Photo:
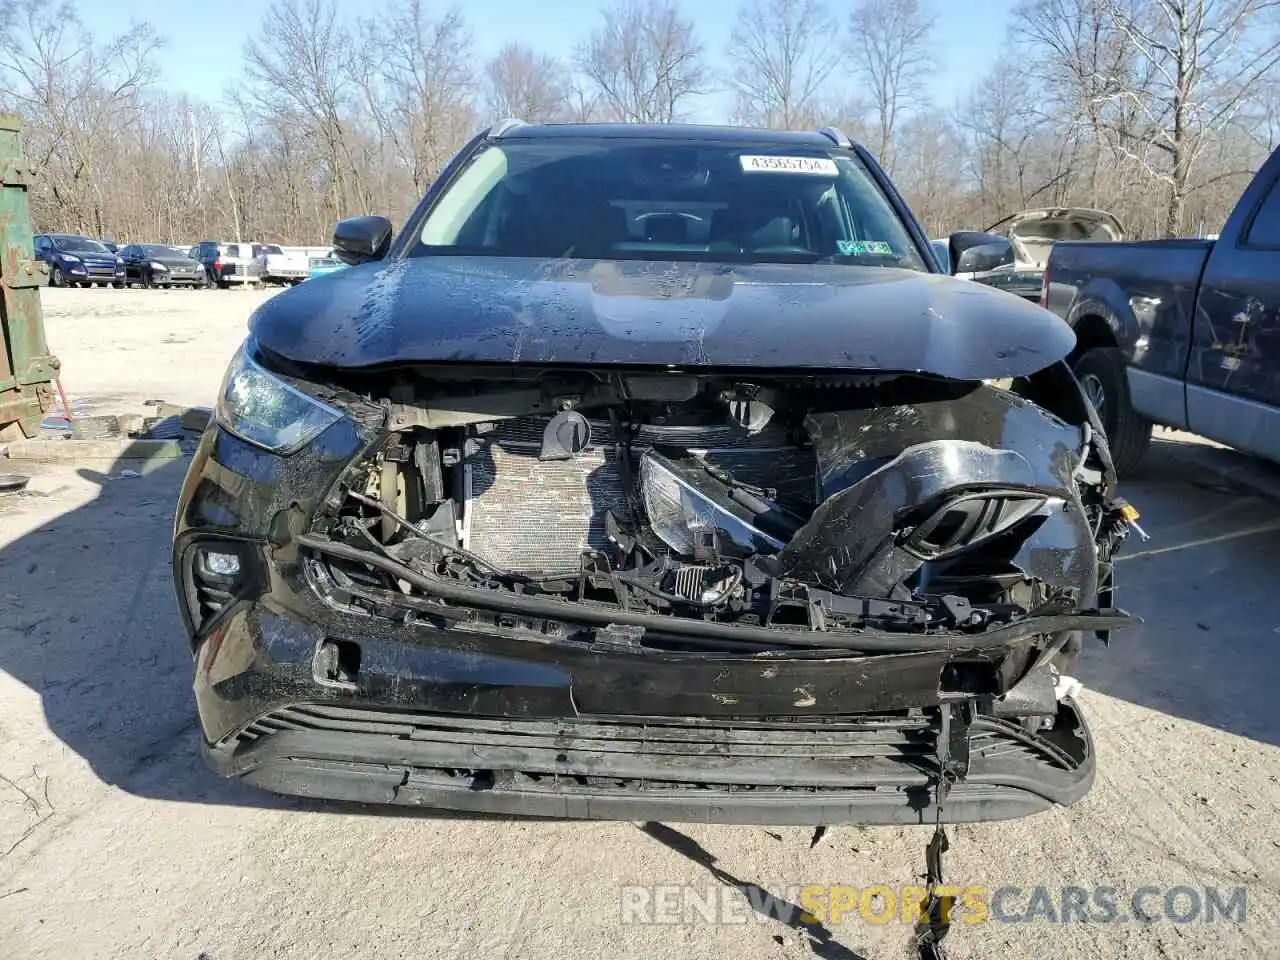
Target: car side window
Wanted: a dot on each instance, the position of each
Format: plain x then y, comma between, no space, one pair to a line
1264,231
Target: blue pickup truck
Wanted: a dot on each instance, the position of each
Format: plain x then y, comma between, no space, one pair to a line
1182,333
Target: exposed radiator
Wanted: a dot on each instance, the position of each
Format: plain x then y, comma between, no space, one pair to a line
537,517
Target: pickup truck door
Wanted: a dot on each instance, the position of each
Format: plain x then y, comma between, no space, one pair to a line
1233,372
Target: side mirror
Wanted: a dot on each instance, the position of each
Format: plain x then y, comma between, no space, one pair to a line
361,239
985,257
975,252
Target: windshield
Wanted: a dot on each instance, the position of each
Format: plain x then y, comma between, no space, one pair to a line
657,200
160,250
79,245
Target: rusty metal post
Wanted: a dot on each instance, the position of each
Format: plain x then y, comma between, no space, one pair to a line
27,369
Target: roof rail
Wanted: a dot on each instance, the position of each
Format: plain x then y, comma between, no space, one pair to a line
836,136
503,127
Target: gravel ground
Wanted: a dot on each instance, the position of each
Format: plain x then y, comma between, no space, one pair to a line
122,347
115,841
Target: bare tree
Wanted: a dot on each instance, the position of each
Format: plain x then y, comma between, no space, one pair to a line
77,92
933,180
645,59
1081,62
781,55
424,101
340,116
587,104
1200,61
298,69
528,85
889,44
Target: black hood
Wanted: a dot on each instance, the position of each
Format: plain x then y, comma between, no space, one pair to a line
498,310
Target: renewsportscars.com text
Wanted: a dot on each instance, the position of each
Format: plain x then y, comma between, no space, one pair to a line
881,904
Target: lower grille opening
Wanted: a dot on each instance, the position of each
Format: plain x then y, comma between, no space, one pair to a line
801,755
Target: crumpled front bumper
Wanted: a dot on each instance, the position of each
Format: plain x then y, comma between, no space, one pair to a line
469,724
864,770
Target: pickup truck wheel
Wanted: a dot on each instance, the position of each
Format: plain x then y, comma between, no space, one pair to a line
1101,373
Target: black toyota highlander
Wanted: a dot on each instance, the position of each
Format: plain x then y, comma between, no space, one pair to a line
651,473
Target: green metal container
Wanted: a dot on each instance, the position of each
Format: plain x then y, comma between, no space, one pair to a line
27,370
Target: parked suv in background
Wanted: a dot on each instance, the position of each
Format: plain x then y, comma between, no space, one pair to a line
160,265
78,260
228,263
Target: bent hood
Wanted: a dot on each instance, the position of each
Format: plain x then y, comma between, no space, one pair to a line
500,310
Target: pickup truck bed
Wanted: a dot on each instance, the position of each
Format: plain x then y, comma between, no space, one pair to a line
1184,333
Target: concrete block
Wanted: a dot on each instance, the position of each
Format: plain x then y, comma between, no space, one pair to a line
99,453
196,419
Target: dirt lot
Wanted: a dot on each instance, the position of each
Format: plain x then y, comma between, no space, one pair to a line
125,346
115,841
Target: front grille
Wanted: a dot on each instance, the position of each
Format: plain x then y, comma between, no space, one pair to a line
806,754
537,517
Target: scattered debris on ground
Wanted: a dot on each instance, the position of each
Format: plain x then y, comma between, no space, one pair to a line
167,432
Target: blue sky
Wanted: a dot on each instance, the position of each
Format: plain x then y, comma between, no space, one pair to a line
203,46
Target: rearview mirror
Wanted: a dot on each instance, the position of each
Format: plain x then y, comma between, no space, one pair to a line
975,252
361,239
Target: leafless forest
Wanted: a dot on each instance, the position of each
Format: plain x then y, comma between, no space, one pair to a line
1158,110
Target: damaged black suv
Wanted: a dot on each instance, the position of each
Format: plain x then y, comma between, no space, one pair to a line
651,473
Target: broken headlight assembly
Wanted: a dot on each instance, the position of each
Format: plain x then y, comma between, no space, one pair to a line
697,512
259,407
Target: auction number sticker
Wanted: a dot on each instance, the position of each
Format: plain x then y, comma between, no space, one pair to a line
819,166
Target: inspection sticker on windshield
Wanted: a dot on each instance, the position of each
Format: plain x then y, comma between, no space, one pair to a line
822,166
854,248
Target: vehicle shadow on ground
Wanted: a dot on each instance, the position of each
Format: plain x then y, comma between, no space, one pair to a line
792,915
90,624
1205,587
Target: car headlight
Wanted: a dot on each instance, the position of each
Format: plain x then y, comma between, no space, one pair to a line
257,406
119,262
682,516
69,258
159,266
